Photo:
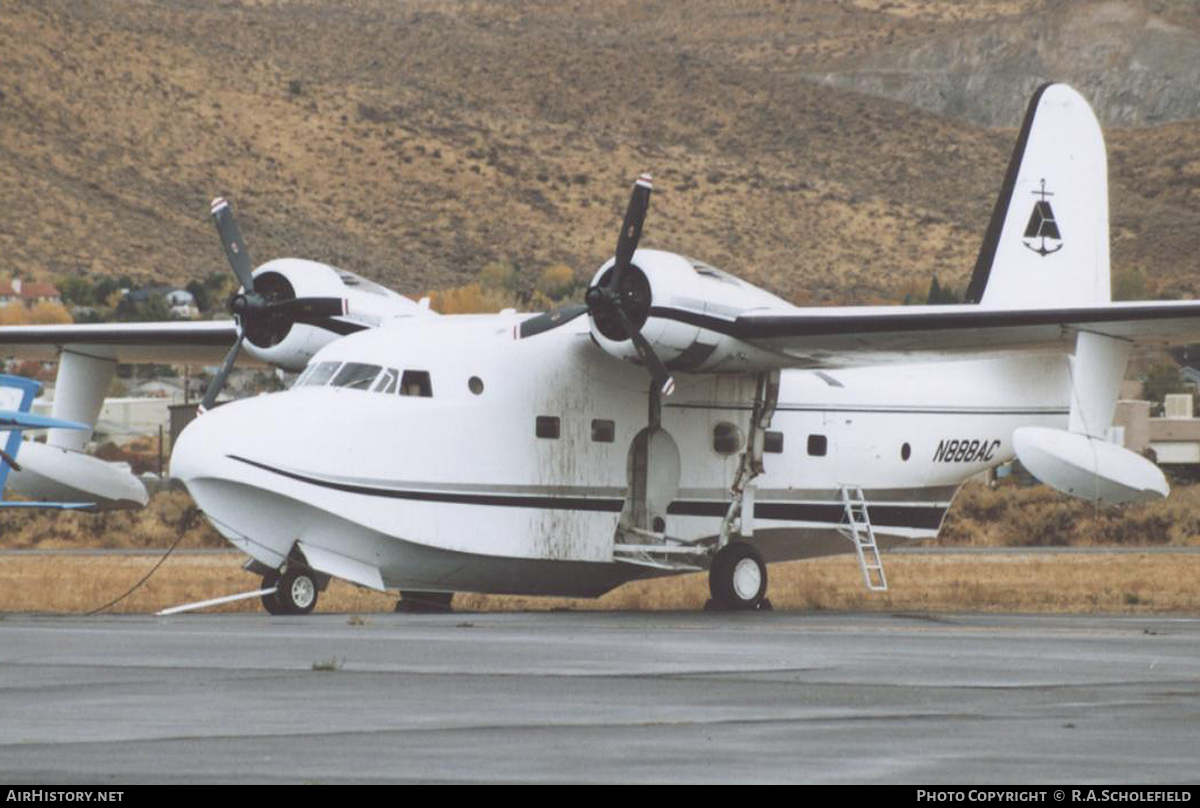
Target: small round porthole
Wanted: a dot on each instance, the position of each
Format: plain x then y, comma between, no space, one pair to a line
727,438
905,452
475,385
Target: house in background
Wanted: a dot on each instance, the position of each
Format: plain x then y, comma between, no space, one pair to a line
1172,440
180,303
29,293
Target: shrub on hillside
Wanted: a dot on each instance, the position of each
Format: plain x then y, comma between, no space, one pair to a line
1011,516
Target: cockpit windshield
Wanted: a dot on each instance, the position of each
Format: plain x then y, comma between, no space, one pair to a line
318,374
356,375
363,376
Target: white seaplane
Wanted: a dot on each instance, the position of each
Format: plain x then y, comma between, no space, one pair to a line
679,419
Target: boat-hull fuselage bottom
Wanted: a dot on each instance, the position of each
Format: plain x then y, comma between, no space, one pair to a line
269,526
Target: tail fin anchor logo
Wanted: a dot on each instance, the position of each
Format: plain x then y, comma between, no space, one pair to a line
1042,226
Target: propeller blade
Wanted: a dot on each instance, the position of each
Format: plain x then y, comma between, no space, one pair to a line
231,240
663,379
631,229
214,387
549,320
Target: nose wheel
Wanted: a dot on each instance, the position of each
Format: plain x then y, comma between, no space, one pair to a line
737,579
295,592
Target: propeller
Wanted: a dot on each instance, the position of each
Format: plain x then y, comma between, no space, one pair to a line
619,303
218,382
265,311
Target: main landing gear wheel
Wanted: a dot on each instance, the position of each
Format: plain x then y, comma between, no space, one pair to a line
737,579
295,593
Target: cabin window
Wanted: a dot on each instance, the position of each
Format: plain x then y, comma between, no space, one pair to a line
475,385
387,381
603,431
727,438
818,445
773,442
547,426
905,452
416,383
356,376
321,373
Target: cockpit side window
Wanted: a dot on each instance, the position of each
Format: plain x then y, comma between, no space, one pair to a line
318,374
356,376
416,383
387,381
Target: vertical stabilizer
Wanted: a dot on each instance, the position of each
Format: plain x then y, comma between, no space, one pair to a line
1047,243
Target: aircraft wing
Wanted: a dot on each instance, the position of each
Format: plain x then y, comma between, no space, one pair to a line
202,342
846,337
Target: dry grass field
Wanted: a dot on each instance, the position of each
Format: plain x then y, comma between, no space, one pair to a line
1053,583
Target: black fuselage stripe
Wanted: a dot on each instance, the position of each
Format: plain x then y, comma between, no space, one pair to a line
915,516
510,500
881,410
339,327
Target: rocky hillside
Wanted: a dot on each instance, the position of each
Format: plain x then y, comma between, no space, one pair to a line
1138,63
801,145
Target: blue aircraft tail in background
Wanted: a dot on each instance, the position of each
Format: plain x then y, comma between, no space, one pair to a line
16,398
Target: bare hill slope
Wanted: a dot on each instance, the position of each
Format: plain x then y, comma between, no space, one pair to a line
416,142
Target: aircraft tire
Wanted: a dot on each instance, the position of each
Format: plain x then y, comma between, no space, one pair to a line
270,602
297,593
737,578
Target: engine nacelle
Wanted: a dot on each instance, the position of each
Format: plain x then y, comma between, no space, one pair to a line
672,299
290,345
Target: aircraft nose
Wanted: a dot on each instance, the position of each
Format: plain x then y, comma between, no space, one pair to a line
232,494
201,446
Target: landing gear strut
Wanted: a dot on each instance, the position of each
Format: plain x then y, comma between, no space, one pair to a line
737,576
269,602
737,579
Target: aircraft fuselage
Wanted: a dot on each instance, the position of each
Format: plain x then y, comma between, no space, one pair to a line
508,464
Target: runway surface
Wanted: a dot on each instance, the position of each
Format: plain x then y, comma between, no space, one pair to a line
609,697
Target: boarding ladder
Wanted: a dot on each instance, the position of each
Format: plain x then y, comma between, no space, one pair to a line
856,526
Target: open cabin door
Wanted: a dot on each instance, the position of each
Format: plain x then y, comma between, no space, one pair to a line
653,470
